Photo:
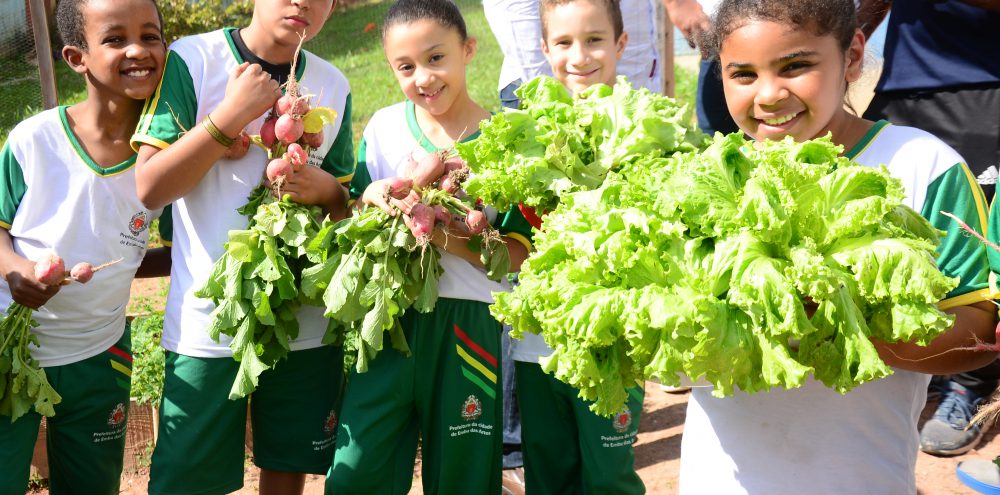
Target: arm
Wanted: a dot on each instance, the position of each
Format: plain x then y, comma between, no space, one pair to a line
163,176
156,263
689,18
19,273
951,352
455,241
870,15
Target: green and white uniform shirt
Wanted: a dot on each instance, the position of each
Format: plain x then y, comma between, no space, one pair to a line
386,144
194,83
874,437
55,198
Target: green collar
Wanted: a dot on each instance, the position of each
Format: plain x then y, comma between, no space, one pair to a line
866,140
299,70
103,172
418,134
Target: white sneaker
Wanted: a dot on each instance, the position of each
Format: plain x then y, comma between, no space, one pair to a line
670,389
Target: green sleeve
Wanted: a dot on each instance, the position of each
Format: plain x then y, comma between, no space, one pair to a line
12,186
339,161
993,235
959,255
361,178
166,225
171,110
513,225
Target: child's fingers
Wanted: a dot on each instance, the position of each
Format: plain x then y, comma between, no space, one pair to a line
236,72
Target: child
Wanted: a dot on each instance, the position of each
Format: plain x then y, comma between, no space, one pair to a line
568,448
447,392
68,185
216,85
786,67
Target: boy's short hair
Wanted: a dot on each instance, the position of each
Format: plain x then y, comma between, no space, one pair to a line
613,8
69,21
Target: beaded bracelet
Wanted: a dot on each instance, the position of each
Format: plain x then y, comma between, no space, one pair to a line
219,137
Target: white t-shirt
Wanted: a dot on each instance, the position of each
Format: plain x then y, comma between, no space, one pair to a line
812,439
57,199
389,138
518,29
194,83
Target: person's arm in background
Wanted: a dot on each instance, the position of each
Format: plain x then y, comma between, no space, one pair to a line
991,5
871,13
690,19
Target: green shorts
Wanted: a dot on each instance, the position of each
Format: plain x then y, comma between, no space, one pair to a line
86,437
446,393
568,448
202,434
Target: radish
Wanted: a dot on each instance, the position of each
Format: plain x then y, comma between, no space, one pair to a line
300,106
288,129
267,136
312,139
442,216
420,220
399,187
448,185
427,170
278,169
284,104
239,148
476,221
297,156
51,270
82,272
455,163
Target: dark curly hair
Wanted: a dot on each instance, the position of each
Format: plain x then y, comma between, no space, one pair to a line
445,12
823,17
613,8
69,21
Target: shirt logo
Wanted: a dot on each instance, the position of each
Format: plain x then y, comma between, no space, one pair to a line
330,423
622,420
117,415
138,223
472,409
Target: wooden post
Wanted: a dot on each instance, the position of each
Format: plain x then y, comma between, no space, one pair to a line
665,31
43,50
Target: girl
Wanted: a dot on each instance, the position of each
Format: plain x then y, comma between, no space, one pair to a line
786,66
446,392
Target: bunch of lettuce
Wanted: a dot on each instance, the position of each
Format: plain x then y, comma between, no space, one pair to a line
556,144
703,264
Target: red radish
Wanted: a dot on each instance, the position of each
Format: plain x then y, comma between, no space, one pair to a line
448,185
284,104
399,187
300,106
51,270
421,222
312,139
267,136
476,220
288,129
278,169
82,272
454,163
442,216
427,170
297,156
239,148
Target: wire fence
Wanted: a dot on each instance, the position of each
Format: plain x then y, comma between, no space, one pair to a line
20,87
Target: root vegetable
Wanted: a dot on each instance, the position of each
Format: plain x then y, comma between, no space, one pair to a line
267,136
278,169
442,216
428,169
399,187
312,139
50,270
284,104
239,148
82,272
454,163
297,156
448,185
476,221
420,220
288,129
300,106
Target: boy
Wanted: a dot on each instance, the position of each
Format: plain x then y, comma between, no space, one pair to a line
68,186
583,41
214,86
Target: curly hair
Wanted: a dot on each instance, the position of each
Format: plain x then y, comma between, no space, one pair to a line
823,17
70,21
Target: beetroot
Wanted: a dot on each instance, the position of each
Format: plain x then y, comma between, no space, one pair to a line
288,129
50,270
297,156
82,272
279,169
312,139
476,221
267,136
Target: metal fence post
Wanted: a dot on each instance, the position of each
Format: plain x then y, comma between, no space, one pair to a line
43,50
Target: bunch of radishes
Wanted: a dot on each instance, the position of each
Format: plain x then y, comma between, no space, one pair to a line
431,195
51,270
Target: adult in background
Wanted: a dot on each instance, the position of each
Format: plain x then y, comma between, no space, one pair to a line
942,74
517,26
693,18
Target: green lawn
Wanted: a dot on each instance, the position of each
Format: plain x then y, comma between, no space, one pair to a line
343,42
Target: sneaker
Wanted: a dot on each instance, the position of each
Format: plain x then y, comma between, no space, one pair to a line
980,475
512,482
938,387
671,389
949,431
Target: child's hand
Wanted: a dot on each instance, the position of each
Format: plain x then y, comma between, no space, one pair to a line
25,289
391,195
249,93
314,186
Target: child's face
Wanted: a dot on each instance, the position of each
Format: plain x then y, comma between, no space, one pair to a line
429,61
125,48
580,45
781,80
285,20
